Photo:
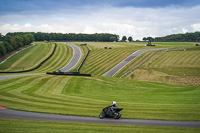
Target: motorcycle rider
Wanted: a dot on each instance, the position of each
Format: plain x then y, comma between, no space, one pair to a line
113,106
111,111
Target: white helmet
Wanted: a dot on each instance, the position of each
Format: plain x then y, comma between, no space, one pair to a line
114,103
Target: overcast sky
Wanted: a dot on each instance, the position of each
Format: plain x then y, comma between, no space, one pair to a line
136,18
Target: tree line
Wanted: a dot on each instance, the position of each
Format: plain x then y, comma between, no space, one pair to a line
11,43
40,36
187,37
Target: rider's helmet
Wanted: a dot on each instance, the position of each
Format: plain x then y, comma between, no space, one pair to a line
114,103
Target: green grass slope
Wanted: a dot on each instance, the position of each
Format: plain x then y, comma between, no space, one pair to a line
31,57
28,58
180,63
101,60
61,57
180,66
30,126
86,96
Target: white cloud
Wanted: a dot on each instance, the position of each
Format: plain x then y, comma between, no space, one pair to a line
184,30
129,21
196,27
28,25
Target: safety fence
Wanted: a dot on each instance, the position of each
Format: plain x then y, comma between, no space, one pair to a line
68,74
83,61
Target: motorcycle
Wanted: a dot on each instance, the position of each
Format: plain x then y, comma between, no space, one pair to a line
109,112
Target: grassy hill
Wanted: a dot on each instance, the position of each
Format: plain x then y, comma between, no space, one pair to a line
31,57
86,96
28,58
101,60
139,93
182,67
61,57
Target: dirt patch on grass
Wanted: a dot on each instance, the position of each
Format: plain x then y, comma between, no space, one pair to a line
147,75
186,80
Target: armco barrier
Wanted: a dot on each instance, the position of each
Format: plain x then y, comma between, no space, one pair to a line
38,65
150,57
83,61
68,73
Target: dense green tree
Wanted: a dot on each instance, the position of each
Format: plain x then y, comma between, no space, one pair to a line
40,36
19,40
13,43
189,37
26,40
2,49
30,37
8,46
7,38
1,37
130,39
144,39
112,39
150,39
124,38
14,40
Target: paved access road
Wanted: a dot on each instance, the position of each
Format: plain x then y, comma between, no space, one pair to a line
122,64
12,114
75,59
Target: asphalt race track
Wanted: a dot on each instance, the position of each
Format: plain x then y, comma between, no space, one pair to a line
75,59
12,114
122,64
17,75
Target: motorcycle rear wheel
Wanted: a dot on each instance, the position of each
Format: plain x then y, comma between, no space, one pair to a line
101,115
117,116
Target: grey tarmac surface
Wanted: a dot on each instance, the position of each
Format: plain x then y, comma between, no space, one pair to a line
75,59
13,114
17,75
122,64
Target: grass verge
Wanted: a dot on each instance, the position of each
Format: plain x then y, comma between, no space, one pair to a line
31,126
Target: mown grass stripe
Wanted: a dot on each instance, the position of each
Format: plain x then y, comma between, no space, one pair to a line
17,85
22,60
105,63
60,59
7,82
38,92
36,86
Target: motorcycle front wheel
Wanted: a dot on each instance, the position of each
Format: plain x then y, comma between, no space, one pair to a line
101,115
